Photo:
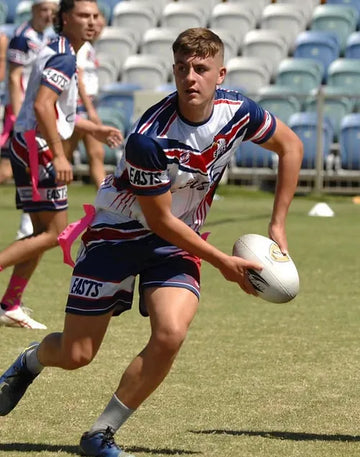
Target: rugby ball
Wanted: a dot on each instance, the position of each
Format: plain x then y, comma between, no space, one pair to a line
278,281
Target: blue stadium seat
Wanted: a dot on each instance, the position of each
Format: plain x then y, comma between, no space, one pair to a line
350,142
345,73
251,155
352,49
301,74
354,3
305,125
11,5
338,102
279,100
319,45
119,96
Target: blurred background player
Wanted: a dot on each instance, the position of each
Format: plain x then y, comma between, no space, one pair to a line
88,89
47,116
28,40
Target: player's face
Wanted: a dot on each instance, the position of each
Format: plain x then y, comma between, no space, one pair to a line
196,79
44,15
79,23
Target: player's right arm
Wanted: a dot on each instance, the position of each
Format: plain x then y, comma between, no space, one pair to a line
15,87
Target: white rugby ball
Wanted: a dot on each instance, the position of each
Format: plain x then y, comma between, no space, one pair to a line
278,281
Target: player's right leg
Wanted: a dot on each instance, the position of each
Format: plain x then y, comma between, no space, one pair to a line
75,347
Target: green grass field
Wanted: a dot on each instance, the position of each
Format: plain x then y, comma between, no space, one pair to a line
253,379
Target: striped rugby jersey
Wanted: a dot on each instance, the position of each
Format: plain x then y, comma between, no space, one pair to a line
55,67
24,47
165,152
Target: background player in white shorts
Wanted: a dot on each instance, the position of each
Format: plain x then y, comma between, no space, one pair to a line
148,220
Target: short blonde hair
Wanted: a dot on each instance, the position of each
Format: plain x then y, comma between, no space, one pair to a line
199,42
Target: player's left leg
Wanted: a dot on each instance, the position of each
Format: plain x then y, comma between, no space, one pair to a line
171,310
25,255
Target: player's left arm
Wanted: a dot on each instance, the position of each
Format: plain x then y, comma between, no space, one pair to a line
89,106
289,148
45,112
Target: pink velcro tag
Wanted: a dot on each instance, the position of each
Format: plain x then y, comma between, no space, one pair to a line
205,235
8,126
72,231
30,139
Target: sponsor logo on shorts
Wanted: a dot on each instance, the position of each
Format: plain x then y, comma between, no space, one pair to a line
85,287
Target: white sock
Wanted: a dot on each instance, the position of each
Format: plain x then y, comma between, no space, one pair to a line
114,415
32,362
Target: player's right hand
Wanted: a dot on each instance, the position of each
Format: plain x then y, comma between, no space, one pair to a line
63,170
235,269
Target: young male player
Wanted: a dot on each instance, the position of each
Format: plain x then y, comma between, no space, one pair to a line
28,40
41,169
148,220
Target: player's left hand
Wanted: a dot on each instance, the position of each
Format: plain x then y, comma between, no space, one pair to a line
108,135
278,234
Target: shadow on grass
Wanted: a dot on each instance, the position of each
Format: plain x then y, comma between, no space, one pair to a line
292,436
56,448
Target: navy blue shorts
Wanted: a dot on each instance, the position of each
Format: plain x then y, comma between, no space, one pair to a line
53,197
104,275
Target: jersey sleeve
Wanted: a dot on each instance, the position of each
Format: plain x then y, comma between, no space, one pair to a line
146,166
262,123
58,72
17,50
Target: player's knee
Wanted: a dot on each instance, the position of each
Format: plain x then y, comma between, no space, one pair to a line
77,359
169,340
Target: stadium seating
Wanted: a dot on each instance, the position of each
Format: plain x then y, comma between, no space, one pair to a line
353,3
256,7
302,75
115,44
319,45
158,41
307,7
105,10
119,96
279,101
229,39
270,45
234,18
8,29
337,104
11,8
146,70
252,155
345,73
23,11
249,73
305,125
135,14
289,19
352,47
339,19
350,142
3,12
183,15
108,70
